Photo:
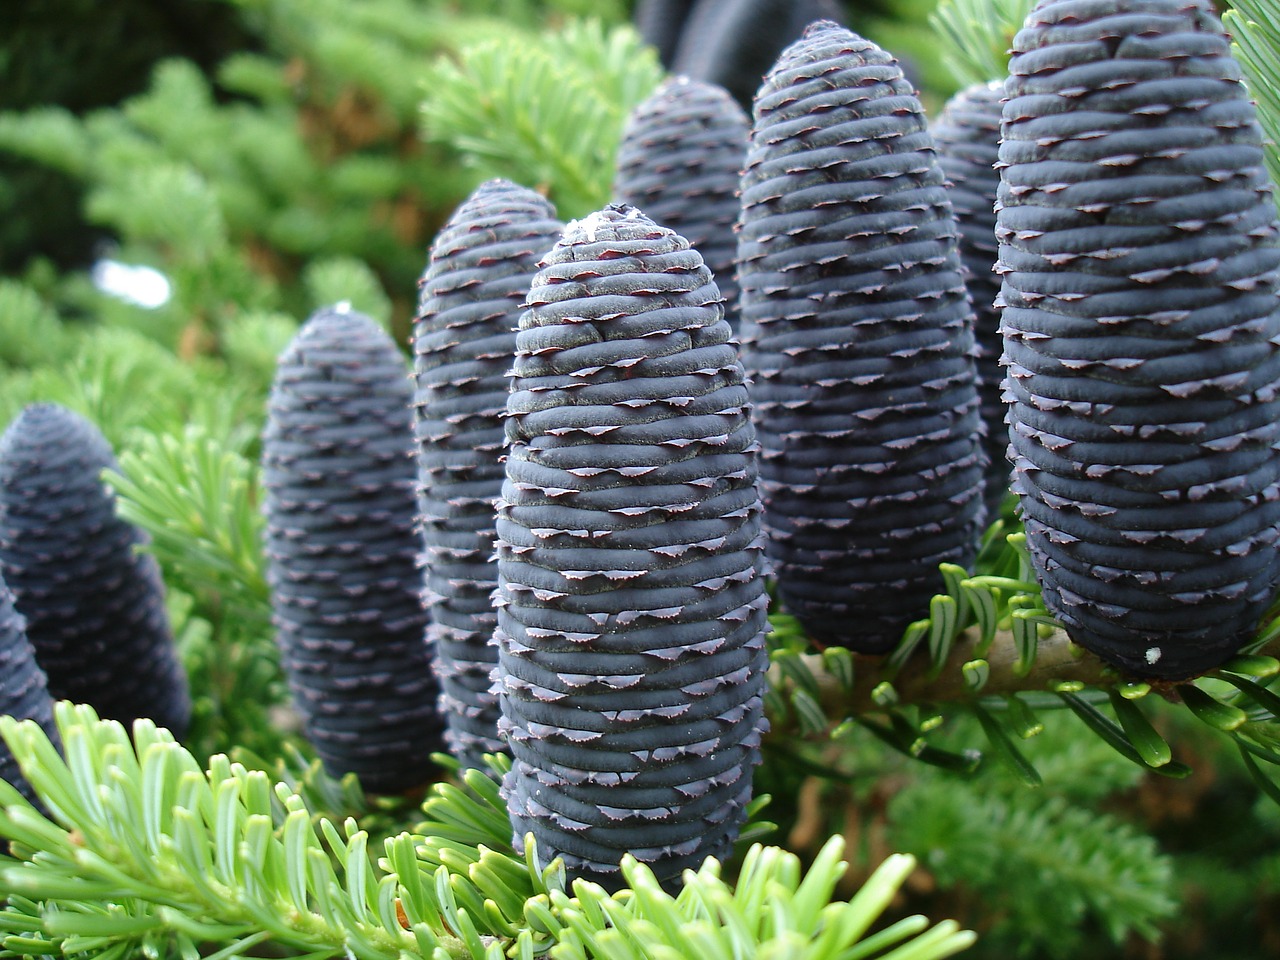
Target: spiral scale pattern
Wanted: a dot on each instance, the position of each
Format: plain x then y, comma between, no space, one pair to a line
1138,247
94,603
342,551
681,153
631,601
464,342
857,334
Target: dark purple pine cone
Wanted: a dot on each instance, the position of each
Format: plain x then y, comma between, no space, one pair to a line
342,551
681,153
1139,255
858,337
732,43
24,691
464,338
967,135
631,603
93,602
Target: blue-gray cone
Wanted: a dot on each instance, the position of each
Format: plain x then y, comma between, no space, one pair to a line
681,153
857,334
967,135
464,342
93,602
342,552
1139,254
631,600
24,691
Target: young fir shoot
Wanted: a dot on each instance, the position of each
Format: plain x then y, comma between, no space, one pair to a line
198,499
976,35
199,502
1255,28
146,854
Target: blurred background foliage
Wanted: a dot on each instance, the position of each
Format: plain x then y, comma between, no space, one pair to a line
266,157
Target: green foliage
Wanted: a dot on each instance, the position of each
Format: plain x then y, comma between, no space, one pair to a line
114,378
336,279
199,503
297,176
31,332
975,36
314,158
1023,822
1255,27
252,344
1027,852
546,114
149,854
165,856
1000,593
198,500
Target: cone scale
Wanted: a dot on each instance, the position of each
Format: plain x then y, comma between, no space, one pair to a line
679,159
24,689
93,601
967,135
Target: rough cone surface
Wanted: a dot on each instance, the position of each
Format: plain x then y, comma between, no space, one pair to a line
681,153
342,551
93,602
464,338
857,335
631,603
967,135
24,690
1138,247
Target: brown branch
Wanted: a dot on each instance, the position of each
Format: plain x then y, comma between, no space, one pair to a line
1057,659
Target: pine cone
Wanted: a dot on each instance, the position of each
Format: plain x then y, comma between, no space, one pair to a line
1139,254
681,153
631,603
342,551
93,602
24,690
464,342
857,335
967,135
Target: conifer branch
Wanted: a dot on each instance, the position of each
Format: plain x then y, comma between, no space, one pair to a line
549,114
145,853
976,36
989,648
1255,29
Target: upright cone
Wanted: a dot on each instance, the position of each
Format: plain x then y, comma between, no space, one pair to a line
464,342
342,551
967,134
681,152
631,603
857,335
93,601
1138,247
24,689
